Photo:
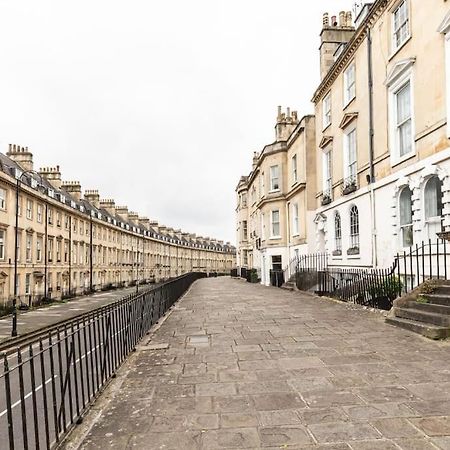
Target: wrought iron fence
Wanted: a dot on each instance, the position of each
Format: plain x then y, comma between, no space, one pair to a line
420,262
372,287
50,382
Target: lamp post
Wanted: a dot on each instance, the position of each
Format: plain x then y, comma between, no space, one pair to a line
16,241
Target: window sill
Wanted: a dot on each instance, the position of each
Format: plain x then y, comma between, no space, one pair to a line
274,237
397,161
348,103
326,127
274,191
397,50
296,235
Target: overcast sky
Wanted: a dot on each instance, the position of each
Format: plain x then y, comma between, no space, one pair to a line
158,105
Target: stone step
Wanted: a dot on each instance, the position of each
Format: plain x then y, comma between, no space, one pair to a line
289,285
438,299
429,307
422,316
442,289
425,329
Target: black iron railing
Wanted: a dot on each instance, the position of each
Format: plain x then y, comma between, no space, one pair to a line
421,262
50,382
372,287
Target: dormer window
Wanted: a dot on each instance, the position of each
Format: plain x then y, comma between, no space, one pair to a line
51,193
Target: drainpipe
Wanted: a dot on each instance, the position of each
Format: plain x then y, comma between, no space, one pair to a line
371,176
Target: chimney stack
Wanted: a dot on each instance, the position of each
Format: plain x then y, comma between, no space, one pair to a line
333,35
21,156
286,122
108,205
93,197
122,211
255,160
73,188
133,217
52,175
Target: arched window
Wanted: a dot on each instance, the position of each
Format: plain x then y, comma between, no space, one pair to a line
337,233
406,228
433,206
354,229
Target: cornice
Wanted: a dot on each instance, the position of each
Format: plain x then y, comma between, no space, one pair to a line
326,140
295,189
350,49
348,119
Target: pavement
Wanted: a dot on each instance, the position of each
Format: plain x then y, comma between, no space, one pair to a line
35,319
243,366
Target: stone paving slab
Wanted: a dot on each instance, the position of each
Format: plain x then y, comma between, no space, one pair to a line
243,366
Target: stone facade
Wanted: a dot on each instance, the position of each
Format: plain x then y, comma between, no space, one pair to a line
69,244
379,163
276,201
382,115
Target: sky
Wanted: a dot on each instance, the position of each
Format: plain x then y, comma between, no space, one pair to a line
158,105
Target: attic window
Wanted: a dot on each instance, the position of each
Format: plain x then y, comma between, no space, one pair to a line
33,183
73,204
51,193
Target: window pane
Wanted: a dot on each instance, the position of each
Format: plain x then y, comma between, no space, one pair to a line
433,198
403,103
405,207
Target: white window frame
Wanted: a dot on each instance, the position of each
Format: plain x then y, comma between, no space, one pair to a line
294,169
444,28
263,228
447,78
275,186
39,213
272,223
327,179
326,111
394,88
29,248
349,162
2,244
295,227
29,212
349,84
27,284
404,227
432,222
261,184
3,199
397,46
39,243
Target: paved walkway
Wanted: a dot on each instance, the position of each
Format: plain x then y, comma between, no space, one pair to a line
237,365
29,321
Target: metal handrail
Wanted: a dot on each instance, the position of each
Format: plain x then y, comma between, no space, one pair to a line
64,368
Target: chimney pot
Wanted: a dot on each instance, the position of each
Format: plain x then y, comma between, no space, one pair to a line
326,20
333,21
342,19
